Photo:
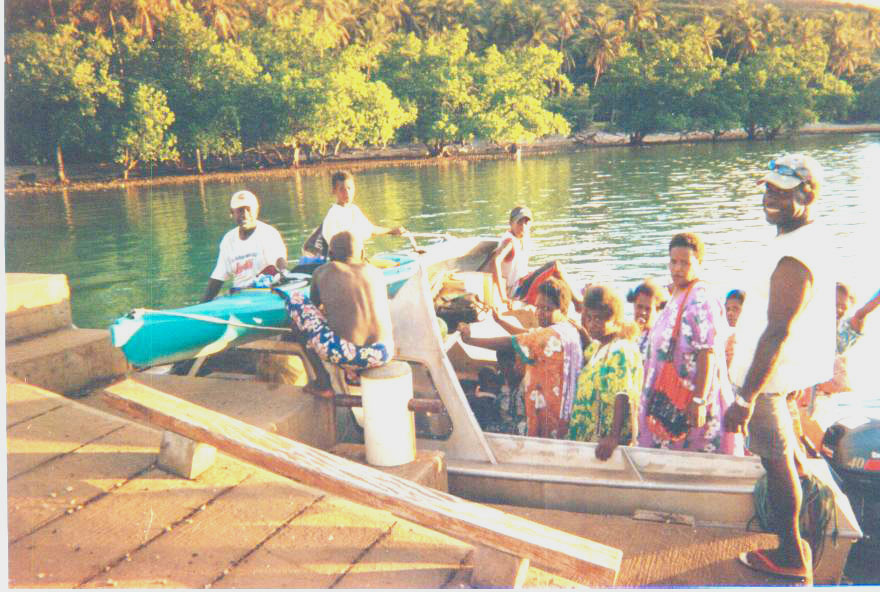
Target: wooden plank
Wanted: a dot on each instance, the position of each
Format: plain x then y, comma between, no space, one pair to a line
313,550
26,401
79,546
57,432
582,559
47,492
232,526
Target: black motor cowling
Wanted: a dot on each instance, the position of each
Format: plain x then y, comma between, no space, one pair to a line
852,448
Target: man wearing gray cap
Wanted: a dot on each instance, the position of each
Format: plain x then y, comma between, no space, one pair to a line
785,342
251,249
509,264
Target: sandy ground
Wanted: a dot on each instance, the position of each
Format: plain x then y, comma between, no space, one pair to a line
39,179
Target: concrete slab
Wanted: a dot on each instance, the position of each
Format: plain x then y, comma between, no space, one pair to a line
47,492
281,408
36,304
66,360
82,546
428,469
27,401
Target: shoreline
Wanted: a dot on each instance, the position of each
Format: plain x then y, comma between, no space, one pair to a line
105,176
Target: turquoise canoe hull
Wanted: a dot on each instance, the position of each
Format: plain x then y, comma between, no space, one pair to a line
152,337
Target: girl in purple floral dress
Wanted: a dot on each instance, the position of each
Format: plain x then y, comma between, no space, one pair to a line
698,355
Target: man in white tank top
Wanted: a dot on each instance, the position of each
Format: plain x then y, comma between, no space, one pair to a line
785,342
509,264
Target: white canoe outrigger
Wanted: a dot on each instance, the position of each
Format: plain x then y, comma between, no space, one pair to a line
713,489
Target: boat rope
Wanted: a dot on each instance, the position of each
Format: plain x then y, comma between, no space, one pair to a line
817,511
210,319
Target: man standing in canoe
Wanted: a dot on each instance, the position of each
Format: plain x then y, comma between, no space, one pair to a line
785,342
251,249
354,331
344,215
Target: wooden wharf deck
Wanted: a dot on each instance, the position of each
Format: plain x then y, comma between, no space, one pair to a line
87,507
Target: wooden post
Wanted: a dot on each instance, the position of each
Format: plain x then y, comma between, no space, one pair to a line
495,569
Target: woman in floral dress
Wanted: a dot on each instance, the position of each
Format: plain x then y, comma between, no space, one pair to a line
549,358
698,355
609,386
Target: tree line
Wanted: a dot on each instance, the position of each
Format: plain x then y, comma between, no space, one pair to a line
142,82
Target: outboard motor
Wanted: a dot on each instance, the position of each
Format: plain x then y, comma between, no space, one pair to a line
852,448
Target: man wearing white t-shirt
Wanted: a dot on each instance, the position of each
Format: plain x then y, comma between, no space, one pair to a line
248,251
785,342
344,215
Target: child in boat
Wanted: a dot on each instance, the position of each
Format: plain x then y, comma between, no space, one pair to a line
344,215
733,305
648,299
849,330
509,263
609,386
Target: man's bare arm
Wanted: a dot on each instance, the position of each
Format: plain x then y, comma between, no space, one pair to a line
212,289
495,266
789,286
857,321
315,292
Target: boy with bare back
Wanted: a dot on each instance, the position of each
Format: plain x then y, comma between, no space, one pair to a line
354,330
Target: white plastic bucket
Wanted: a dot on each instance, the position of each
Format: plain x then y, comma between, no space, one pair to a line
389,426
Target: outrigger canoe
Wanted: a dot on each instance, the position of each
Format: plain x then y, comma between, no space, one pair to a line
710,489
152,337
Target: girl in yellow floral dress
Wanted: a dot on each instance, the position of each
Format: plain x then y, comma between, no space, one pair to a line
610,384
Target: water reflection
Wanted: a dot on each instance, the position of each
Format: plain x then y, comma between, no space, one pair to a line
607,213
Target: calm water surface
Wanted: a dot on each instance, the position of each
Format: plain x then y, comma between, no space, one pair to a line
608,214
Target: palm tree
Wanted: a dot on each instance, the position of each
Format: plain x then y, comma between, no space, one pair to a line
805,30
845,51
567,15
337,13
872,29
710,35
603,40
225,16
742,30
641,20
772,25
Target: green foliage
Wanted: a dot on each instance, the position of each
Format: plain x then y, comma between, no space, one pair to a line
205,79
316,95
774,87
238,74
575,107
833,99
436,76
669,87
512,87
145,137
55,84
867,105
